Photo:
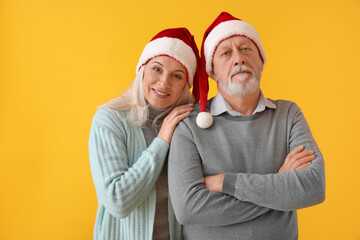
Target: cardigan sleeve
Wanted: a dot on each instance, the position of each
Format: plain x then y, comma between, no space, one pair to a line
285,191
121,187
192,202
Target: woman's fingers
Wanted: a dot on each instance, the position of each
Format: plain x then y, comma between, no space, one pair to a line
178,113
172,119
181,116
181,109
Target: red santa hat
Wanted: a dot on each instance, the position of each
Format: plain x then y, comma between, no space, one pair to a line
225,26
176,43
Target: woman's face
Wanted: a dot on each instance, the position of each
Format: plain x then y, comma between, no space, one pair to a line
164,81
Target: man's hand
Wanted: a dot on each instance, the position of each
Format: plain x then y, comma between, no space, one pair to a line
215,182
297,159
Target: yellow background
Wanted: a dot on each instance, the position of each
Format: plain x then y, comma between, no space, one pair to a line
61,58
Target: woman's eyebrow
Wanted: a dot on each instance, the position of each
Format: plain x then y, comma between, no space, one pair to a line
180,71
158,63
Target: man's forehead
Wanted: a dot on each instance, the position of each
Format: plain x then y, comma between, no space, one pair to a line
238,39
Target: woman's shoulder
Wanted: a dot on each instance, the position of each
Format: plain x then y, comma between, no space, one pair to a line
111,112
109,117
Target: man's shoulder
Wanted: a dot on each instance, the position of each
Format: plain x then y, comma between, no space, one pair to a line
282,104
191,119
189,123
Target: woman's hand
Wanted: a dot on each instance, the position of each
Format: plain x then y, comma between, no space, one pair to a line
297,159
172,119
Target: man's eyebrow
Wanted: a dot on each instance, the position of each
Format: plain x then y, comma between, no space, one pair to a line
158,63
226,45
222,48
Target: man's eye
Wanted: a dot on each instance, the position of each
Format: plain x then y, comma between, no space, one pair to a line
156,69
177,76
225,53
245,49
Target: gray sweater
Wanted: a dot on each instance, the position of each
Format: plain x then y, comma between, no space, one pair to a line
161,222
257,202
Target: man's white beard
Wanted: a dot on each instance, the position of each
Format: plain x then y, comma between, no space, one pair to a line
239,89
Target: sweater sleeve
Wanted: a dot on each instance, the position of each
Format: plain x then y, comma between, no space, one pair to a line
285,191
119,186
192,202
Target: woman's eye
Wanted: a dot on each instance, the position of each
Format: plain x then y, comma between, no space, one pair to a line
156,69
177,76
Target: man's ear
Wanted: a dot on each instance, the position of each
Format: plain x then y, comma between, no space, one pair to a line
213,75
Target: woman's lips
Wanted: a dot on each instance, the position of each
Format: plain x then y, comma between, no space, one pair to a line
160,93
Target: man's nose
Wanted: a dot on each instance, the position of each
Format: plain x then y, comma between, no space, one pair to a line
238,58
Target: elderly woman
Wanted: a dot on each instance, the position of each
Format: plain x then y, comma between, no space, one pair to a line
130,137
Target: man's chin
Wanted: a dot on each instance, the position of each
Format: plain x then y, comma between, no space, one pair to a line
234,90
241,78
237,89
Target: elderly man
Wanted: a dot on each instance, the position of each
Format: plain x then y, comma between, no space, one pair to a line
243,170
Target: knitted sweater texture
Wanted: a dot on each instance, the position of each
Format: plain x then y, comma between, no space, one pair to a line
257,202
124,172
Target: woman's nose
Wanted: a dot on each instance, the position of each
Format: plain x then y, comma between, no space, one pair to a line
164,80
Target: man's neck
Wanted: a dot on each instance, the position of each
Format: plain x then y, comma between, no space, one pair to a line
245,105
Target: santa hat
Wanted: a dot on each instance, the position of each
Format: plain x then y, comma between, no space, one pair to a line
225,26
176,43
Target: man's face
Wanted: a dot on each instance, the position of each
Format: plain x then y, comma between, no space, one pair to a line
237,66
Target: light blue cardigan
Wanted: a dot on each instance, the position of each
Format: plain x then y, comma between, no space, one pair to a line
125,171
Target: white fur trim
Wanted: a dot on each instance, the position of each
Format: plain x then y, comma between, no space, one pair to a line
204,120
225,30
174,48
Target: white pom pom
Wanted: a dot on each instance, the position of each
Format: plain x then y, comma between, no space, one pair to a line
204,120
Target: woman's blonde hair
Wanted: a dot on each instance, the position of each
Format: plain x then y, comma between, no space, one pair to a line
134,100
